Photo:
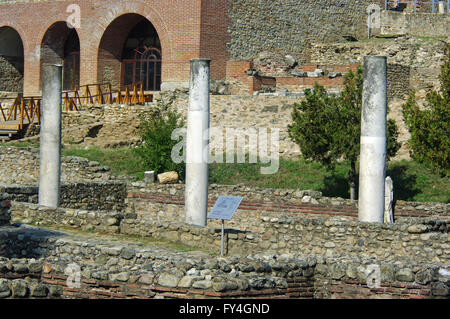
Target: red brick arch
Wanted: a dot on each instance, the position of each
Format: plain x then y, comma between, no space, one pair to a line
18,29
90,53
111,47
53,42
12,56
187,29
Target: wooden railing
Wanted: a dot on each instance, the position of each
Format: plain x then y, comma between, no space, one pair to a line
101,93
132,94
21,108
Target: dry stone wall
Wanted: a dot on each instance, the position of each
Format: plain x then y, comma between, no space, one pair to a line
81,195
20,166
413,63
290,26
5,214
414,24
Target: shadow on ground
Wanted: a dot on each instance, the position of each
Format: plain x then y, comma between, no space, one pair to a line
23,241
405,184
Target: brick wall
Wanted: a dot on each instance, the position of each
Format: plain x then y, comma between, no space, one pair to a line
187,30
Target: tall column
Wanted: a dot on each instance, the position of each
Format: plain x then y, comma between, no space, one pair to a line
197,144
50,136
373,140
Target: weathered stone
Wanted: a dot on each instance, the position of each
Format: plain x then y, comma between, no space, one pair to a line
440,289
5,292
299,74
168,280
186,281
168,178
127,253
47,268
337,271
20,268
417,229
329,244
19,288
122,276
202,284
405,274
101,275
149,177
146,279
424,276
290,60
39,291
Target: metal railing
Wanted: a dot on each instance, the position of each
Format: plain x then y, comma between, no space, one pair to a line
416,5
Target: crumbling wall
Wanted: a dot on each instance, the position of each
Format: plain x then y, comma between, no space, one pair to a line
11,74
290,26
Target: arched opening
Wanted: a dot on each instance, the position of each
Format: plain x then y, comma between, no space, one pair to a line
61,45
11,60
130,52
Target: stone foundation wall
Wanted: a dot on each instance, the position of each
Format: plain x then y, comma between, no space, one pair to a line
290,26
90,196
34,264
20,166
279,244
272,226
415,24
5,214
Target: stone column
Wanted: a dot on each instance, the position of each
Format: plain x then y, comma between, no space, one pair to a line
50,136
197,144
373,140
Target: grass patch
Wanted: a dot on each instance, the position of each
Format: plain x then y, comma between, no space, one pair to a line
412,181
122,161
124,238
22,144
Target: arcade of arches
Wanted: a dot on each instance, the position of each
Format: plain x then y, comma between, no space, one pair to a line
117,42
130,52
11,60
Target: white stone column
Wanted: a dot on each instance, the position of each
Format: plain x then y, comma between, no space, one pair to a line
197,144
50,136
373,140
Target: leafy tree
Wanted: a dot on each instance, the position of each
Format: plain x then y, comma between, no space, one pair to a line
430,126
328,128
156,129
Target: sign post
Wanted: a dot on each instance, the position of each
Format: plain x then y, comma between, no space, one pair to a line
224,209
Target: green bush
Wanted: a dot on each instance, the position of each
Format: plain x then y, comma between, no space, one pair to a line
328,128
156,129
430,126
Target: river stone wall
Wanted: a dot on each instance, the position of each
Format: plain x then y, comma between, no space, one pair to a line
34,263
81,195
